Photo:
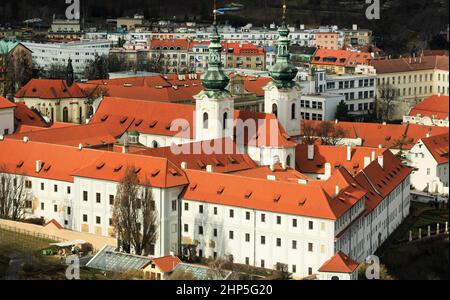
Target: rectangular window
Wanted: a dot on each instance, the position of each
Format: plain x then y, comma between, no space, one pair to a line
294,223
263,218
278,220
69,190
111,199
55,188
28,184
69,210
186,228
42,186
42,206
200,209
98,197
200,230
294,269
186,206
215,232
310,247
98,220
263,240
247,215
85,196
174,205
311,225
294,245
231,235
85,218
262,263
247,237
231,213
278,242
215,211
55,208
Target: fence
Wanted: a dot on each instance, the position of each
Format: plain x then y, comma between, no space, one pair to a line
43,236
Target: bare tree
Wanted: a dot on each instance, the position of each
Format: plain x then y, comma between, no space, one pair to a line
14,195
386,101
219,267
134,215
330,133
56,71
308,133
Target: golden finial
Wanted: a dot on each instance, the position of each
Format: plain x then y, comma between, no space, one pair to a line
284,10
215,12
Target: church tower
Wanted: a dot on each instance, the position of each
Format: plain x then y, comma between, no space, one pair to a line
282,95
70,78
214,113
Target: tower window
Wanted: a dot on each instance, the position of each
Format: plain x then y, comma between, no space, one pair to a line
225,119
205,121
275,110
293,112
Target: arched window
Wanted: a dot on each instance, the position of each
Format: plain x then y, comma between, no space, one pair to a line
334,278
205,121
288,161
225,120
155,144
65,115
293,112
275,110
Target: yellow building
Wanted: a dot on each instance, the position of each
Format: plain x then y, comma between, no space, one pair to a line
413,78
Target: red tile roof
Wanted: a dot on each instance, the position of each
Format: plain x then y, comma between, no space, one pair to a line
340,58
171,44
64,163
339,263
279,174
55,223
244,49
25,116
385,66
262,194
50,89
224,161
438,146
5,103
433,107
336,156
166,264
386,135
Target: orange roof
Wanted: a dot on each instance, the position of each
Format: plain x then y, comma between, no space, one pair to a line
438,146
244,49
407,64
25,116
55,223
262,194
64,163
166,264
340,58
50,89
5,103
386,135
433,106
172,44
339,263
336,156
222,162
278,173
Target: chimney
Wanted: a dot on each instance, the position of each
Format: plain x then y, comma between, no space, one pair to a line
184,165
125,148
303,181
80,147
1,137
337,190
310,152
349,153
381,161
26,139
284,165
327,171
209,168
374,155
271,177
38,166
367,161
428,135
336,121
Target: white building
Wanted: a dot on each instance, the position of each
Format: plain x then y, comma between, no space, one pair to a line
6,117
81,53
433,111
320,107
429,158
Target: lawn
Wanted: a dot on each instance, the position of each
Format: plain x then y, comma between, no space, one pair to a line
430,218
19,242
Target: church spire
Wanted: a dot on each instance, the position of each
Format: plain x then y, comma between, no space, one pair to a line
69,73
283,72
215,79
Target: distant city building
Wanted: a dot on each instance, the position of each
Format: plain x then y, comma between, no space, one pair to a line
65,29
11,54
340,61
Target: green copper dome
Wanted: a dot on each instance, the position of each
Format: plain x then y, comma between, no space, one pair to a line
215,79
283,72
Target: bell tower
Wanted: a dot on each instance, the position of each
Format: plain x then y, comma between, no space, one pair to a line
214,113
282,95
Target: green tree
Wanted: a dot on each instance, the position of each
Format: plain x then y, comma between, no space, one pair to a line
342,111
